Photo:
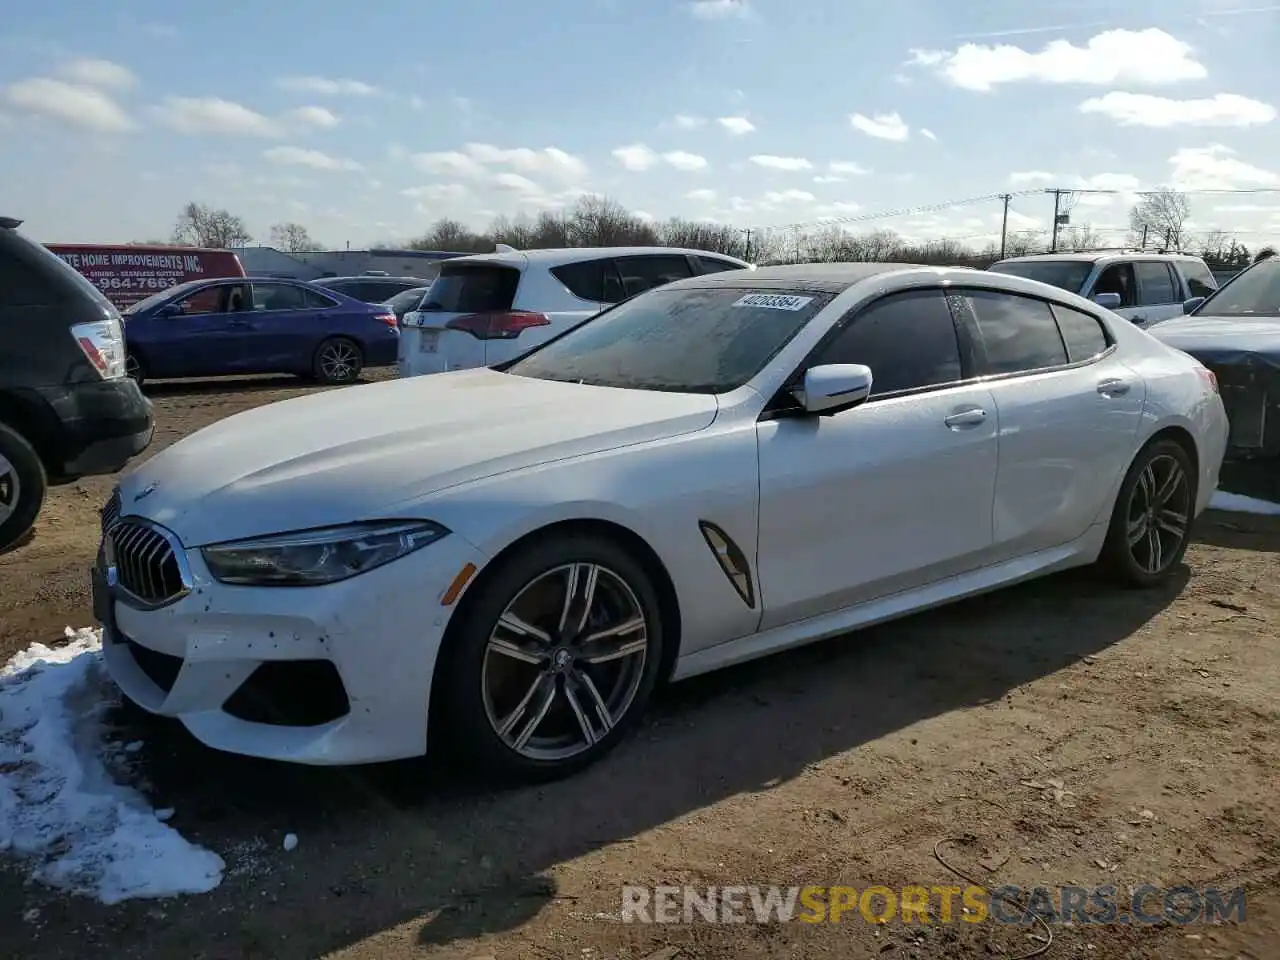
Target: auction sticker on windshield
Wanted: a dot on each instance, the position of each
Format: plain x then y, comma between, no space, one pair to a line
773,301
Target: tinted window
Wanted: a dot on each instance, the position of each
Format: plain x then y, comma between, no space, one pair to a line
907,339
1118,279
1066,274
313,299
1083,334
594,280
1200,282
712,265
472,288
687,341
1017,333
1255,292
1155,283
207,300
278,296
644,273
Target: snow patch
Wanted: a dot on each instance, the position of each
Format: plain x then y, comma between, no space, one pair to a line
61,813
1241,504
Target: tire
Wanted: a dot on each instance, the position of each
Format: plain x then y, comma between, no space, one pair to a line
1148,560
337,361
135,369
23,484
483,689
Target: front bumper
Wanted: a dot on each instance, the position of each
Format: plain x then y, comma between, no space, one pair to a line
331,675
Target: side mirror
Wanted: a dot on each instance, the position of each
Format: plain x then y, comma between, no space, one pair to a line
1189,305
833,387
1108,301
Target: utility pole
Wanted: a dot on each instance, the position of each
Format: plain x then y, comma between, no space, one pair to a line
1057,207
746,254
1004,223
1144,236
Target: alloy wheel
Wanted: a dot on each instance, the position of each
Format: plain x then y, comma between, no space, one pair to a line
1159,514
10,489
338,361
564,662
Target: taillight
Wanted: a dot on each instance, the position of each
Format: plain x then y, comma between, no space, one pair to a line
102,343
1209,377
389,319
498,326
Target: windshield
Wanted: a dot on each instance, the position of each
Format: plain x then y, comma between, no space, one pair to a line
699,340
161,297
1068,275
1253,293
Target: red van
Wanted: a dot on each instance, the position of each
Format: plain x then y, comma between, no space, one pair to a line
127,274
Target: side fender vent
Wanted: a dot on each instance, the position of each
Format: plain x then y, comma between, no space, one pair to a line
732,561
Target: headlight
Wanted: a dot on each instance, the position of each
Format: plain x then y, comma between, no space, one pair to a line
312,557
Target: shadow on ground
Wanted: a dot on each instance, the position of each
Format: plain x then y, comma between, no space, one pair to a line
381,847
243,385
1259,479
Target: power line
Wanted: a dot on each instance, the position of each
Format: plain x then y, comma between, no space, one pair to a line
908,211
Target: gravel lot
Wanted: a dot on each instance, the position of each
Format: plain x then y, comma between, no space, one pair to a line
1148,721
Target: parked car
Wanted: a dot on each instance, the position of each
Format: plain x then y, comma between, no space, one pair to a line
403,302
510,558
1235,332
371,289
66,408
1145,288
129,273
211,328
491,307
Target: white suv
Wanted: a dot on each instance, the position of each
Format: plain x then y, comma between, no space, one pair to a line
492,307
1145,288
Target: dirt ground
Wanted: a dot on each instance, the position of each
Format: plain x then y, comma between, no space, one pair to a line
1078,733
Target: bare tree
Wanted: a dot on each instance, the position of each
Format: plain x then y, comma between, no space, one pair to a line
292,238
203,226
602,222
1081,236
1162,216
454,237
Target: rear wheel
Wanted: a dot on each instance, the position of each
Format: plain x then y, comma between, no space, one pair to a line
22,487
1151,523
338,360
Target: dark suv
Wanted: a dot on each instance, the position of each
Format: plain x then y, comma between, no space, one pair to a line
67,409
371,288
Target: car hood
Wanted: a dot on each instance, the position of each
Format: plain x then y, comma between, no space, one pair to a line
358,453
1221,336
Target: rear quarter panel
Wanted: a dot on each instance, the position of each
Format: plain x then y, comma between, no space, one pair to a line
379,341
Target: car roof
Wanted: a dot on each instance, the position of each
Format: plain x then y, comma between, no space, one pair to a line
825,277
556,256
376,277
1094,256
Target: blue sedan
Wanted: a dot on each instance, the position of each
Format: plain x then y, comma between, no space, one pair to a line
243,325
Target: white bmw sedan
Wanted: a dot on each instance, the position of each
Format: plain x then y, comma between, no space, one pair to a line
505,561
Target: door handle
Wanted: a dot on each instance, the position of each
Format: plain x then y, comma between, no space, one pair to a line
966,418
1113,388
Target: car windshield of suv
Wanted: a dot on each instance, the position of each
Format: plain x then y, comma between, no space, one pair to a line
161,297
692,340
1067,275
1253,293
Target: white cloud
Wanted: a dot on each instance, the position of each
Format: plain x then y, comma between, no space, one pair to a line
718,9
516,183
317,117
644,216
884,126
701,196
214,115
549,160
928,134
72,103
848,167
684,161
1024,177
777,197
840,208
1216,167
299,157
100,73
790,164
636,157
1148,56
829,178
1144,110
686,122
328,87
450,162
736,125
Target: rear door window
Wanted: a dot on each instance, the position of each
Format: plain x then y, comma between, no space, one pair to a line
712,265
278,296
1083,334
646,272
1156,284
593,280
1018,334
472,288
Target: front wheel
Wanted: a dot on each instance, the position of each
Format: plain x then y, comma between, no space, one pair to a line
1151,523
22,487
338,360
554,661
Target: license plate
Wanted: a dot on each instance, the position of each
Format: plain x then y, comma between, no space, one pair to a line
428,341
104,605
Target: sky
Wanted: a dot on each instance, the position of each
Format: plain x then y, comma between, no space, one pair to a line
365,123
